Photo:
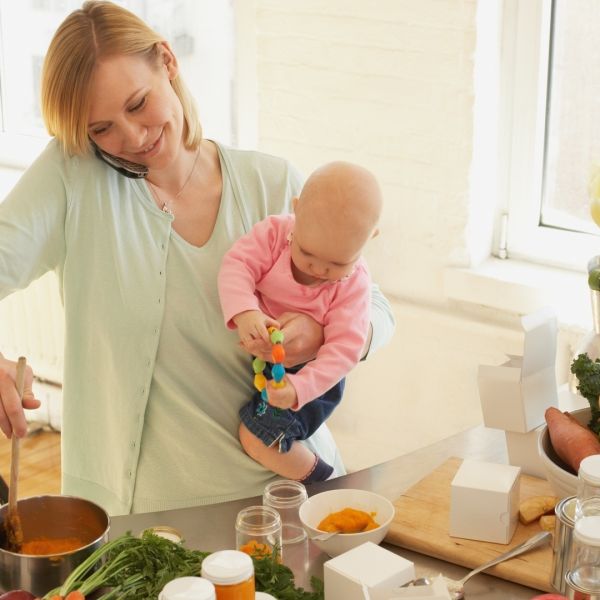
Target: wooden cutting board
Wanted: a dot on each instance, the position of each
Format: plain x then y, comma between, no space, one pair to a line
422,521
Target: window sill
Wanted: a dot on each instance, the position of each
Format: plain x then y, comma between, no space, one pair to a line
520,287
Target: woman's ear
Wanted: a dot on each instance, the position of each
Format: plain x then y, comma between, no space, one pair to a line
169,59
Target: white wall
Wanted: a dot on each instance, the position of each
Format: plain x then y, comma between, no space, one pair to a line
390,84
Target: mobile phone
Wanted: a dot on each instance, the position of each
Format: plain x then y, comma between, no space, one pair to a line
125,167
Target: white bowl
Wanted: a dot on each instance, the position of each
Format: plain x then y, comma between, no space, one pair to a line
317,507
561,477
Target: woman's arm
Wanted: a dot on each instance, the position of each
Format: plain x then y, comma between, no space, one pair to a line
383,323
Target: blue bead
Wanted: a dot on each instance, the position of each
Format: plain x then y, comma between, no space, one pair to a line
263,395
278,371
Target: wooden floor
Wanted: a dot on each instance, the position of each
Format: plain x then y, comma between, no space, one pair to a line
39,470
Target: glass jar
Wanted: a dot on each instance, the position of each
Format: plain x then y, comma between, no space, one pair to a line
258,531
188,588
583,575
588,487
286,496
232,574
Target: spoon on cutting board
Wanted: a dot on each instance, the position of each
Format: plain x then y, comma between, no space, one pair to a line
456,587
12,524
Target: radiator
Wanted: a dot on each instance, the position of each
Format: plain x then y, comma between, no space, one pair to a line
32,325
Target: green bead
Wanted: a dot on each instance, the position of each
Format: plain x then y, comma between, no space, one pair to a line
258,364
276,337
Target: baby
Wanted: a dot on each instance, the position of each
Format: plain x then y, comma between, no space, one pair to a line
309,262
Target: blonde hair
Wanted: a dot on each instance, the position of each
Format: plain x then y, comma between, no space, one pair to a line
97,30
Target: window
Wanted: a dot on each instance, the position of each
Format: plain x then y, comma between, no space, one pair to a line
552,77
201,33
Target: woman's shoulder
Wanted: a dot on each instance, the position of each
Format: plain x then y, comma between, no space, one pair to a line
267,167
55,158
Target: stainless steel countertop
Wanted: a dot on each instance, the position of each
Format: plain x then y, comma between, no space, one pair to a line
211,527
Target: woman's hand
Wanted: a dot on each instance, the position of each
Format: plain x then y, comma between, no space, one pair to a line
303,337
12,416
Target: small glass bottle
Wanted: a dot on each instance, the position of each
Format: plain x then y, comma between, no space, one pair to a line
583,575
232,574
258,531
188,588
588,487
286,496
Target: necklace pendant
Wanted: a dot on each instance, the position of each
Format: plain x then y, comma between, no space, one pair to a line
167,209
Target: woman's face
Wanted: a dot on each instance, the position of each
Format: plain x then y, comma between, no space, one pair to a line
135,113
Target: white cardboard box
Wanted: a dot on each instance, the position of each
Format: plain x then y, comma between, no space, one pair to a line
515,395
484,501
523,452
368,564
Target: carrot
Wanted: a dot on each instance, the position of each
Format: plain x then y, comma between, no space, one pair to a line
570,440
75,595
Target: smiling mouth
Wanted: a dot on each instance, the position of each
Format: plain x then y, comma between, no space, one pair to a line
149,148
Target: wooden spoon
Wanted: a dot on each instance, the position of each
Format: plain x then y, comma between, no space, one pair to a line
14,530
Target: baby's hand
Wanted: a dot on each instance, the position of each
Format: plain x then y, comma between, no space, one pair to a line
252,325
282,397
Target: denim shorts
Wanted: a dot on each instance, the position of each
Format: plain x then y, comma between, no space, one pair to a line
282,427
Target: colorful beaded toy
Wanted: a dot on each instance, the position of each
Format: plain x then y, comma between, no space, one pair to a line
277,370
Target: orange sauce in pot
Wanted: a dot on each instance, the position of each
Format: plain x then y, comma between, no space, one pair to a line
47,546
348,520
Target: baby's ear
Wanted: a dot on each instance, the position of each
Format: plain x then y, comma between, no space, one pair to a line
294,203
375,232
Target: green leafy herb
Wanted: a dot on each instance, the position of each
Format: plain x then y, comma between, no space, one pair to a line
132,568
278,580
588,375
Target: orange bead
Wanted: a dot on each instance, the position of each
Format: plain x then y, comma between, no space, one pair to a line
278,353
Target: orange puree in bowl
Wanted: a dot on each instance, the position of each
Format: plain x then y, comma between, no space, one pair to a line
47,546
348,520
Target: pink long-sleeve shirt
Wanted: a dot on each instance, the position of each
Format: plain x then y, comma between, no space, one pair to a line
256,274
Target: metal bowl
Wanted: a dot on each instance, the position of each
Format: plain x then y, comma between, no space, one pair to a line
51,517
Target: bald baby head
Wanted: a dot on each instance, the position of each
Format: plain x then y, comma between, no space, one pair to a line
341,198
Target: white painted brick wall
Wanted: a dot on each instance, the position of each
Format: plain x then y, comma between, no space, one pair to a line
388,84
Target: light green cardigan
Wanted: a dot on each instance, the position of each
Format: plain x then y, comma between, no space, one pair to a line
109,245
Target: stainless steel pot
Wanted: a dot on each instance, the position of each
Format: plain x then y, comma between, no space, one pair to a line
53,517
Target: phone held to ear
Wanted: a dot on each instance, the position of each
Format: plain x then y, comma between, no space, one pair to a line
125,167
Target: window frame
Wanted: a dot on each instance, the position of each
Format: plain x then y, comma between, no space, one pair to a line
526,51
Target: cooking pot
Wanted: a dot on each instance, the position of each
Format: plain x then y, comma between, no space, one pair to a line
51,518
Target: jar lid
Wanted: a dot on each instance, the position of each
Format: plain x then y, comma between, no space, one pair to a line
587,530
188,588
284,493
264,596
227,567
589,469
167,532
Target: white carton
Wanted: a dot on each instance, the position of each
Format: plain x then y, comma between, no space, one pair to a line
367,565
523,452
515,395
484,501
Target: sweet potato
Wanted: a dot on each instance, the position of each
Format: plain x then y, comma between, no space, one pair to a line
571,440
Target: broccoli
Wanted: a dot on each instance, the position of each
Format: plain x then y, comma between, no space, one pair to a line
588,375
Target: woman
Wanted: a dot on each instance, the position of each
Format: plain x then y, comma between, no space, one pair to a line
134,210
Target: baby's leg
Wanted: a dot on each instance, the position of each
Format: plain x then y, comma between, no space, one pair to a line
298,463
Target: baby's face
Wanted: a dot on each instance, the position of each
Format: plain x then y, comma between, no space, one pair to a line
322,257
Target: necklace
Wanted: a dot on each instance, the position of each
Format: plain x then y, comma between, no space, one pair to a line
167,205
